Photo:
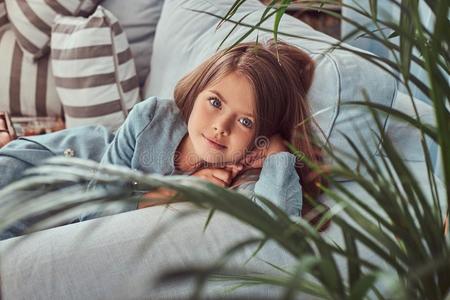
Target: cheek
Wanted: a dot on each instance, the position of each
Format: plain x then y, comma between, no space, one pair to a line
242,141
200,111
195,118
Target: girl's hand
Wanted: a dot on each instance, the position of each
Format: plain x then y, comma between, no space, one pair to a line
219,176
256,158
158,197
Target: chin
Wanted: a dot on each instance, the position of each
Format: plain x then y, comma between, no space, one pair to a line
214,158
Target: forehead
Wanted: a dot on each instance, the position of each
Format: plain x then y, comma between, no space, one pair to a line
236,91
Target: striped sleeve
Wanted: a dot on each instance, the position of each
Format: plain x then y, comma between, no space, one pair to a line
94,69
26,88
32,20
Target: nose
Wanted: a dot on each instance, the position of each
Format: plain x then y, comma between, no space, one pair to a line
221,126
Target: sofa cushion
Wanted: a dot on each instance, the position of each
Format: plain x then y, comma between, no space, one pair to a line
405,137
139,23
184,38
3,16
32,20
26,88
130,250
94,69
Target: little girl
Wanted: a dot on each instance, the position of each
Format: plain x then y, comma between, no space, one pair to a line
231,116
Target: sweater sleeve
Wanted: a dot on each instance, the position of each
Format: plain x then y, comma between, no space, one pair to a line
278,182
121,150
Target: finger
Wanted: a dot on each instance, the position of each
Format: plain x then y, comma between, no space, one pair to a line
201,176
235,169
222,174
246,159
210,178
250,158
217,181
258,163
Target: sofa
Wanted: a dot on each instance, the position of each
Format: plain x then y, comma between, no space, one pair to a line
121,256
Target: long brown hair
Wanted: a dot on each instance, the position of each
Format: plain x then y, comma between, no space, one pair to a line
281,75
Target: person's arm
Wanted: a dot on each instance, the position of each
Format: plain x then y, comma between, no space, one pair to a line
121,149
160,196
218,176
278,182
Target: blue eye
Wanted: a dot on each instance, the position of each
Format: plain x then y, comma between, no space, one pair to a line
213,100
248,124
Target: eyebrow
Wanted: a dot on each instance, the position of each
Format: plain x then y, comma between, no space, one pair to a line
223,99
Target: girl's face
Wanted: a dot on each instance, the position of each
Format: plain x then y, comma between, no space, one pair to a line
222,122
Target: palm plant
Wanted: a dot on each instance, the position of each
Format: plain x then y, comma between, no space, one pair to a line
404,229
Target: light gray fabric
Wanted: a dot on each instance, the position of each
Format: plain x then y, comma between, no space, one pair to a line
335,234
406,137
439,165
138,19
118,257
279,183
389,12
185,38
11,169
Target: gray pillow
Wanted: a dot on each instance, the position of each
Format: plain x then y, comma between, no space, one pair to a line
185,38
138,19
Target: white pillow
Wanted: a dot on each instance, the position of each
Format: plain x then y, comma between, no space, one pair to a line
94,69
32,20
185,38
26,88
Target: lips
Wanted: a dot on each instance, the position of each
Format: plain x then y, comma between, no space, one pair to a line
214,143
